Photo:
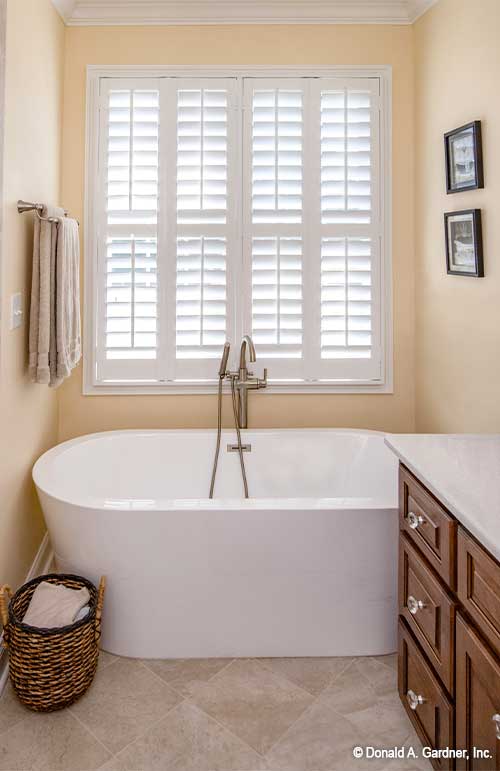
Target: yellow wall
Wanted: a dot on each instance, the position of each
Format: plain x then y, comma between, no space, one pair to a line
457,319
28,413
268,45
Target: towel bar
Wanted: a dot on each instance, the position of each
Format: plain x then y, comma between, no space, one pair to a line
24,206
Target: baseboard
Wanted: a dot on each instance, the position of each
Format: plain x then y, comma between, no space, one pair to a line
43,560
41,565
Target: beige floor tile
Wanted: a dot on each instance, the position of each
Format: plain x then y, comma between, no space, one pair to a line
50,742
253,702
390,660
384,723
123,702
350,692
382,678
187,740
319,741
11,709
105,659
312,674
181,674
413,741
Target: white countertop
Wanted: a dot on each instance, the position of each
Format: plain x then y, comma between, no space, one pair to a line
463,472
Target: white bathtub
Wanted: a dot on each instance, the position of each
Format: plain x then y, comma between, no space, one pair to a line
307,567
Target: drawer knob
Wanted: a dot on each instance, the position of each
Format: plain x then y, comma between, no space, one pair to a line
414,699
414,520
414,605
496,720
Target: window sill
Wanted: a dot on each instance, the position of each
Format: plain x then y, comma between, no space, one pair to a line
113,389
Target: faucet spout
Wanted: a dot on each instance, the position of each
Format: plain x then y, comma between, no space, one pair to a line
247,343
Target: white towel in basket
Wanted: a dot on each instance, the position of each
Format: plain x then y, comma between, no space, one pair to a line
55,605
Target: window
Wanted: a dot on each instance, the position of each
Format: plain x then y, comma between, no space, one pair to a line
233,204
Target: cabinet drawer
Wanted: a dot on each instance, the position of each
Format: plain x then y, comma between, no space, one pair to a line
429,525
478,701
479,586
428,609
424,699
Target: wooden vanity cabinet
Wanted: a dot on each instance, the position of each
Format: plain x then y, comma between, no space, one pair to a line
449,632
477,700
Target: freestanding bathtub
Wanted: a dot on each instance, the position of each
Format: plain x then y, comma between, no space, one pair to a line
306,567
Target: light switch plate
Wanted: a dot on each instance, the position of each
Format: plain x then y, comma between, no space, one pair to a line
16,310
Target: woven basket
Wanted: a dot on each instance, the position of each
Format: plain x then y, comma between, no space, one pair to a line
51,668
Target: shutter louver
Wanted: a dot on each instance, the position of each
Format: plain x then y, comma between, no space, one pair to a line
201,297
277,128
277,296
202,155
346,298
131,298
346,161
132,159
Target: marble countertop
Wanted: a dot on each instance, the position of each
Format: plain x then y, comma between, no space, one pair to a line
463,472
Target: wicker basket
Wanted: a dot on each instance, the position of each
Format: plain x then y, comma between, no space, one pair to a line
51,668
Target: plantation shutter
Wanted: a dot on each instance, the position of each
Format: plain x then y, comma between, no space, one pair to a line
203,223
232,205
348,228
127,243
274,229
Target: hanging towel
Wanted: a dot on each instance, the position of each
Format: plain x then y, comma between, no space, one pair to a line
67,301
55,605
42,312
55,332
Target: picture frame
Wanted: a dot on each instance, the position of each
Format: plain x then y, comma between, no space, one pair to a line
464,158
464,243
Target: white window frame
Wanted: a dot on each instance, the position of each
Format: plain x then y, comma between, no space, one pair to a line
94,75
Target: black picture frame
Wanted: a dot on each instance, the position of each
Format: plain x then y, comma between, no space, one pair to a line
458,255
477,180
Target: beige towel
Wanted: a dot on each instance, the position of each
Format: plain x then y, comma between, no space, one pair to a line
42,312
55,334
54,605
67,301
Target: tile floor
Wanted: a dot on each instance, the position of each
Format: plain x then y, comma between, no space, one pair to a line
217,715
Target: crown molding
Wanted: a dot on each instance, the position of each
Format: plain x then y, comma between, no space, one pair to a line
173,12
417,8
65,8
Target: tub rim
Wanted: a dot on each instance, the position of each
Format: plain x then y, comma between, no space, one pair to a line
206,504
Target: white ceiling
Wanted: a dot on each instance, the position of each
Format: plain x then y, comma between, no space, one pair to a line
102,12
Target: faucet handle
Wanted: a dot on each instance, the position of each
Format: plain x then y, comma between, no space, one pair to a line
263,383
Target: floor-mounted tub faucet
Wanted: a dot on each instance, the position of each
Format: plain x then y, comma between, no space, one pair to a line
246,381
242,382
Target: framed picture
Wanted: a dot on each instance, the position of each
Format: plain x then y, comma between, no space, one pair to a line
464,243
464,158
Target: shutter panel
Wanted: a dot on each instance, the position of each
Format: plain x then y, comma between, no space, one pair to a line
347,330
274,221
204,226
128,313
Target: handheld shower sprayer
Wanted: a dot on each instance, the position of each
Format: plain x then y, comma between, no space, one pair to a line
223,361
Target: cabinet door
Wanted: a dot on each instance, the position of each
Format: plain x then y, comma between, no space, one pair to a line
477,700
424,699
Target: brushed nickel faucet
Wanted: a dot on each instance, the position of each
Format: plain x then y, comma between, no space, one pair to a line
242,382
245,380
